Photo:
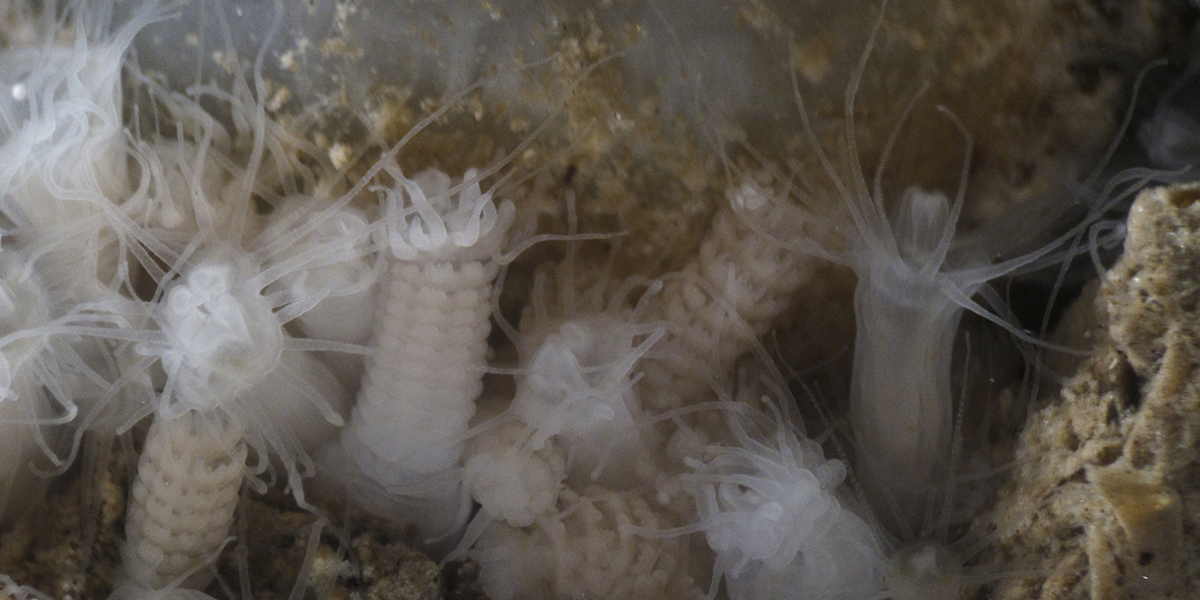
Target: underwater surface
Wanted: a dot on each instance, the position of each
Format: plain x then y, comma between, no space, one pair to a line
551,299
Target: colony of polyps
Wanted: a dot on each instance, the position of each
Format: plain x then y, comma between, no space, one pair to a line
765,498
61,149
579,396
219,321
218,337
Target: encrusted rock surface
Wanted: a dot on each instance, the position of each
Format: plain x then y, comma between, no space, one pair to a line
1104,497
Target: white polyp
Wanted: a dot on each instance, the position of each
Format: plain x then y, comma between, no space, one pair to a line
424,221
221,338
63,144
68,132
417,397
426,370
907,314
900,395
510,480
580,390
409,426
333,271
183,500
769,511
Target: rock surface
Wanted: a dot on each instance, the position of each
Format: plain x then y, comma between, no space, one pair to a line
1104,496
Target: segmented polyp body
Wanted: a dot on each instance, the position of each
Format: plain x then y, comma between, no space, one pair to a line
417,396
183,500
730,294
421,382
593,548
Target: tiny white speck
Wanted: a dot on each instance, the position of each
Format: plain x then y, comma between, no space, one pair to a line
339,155
19,92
